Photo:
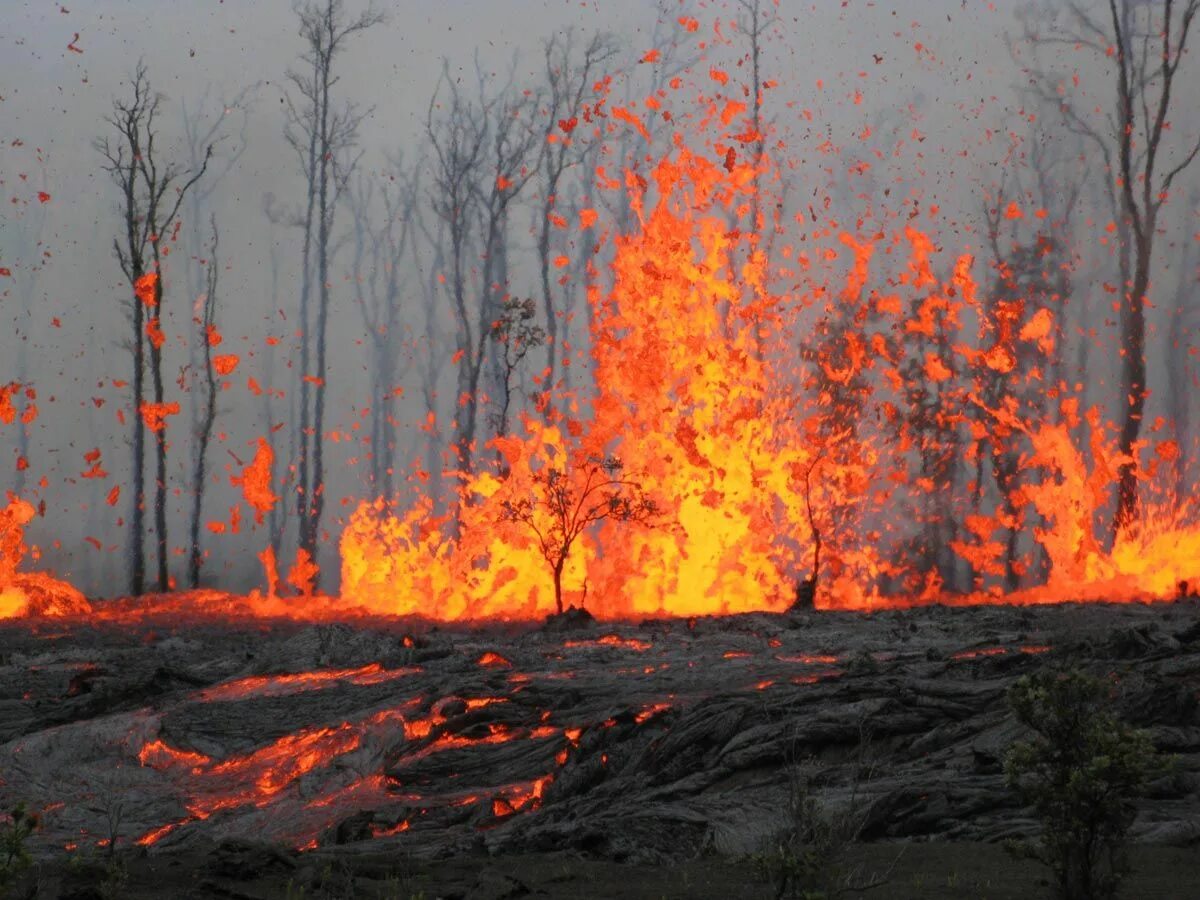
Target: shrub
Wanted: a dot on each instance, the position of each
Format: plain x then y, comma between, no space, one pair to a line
1081,771
14,858
809,857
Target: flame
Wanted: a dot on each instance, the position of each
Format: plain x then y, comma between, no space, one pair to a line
30,593
791,414
698,399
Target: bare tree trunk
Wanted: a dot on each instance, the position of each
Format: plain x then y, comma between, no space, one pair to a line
150,203
321,136
569,82
201,129
206,323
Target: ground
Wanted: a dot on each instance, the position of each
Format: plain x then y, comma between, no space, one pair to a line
926,871
231,758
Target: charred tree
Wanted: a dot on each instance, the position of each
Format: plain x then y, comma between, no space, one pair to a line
322,132
204,125
1021,327
1144,44
755,22
151,194
570,79
207,323
456,136
25,232
1182,373
430,348
277,518
380,267
932,422
484,154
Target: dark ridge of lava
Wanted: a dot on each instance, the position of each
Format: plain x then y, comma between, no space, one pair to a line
633,742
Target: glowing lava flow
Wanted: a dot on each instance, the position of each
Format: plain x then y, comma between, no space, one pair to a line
258,777
283,685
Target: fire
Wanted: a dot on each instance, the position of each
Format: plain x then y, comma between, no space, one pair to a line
494,660
29,594
516,798
842,412
255,481
697,398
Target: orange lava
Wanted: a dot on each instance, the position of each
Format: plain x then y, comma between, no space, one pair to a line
611,640
494,661
283,685
822,397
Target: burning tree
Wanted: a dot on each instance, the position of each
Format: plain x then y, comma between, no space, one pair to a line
564,503
1019,364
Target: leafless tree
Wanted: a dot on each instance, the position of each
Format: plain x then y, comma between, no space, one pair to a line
323,133
566,502
25,230
678,51
382,248
932,395
756,21
221,123
430,349
1181,369
151,194
1029,279
277,518
1143,45
484,154
571,73
806,589
517,332
456,132
207,322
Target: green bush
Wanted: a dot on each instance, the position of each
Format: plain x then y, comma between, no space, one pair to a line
1081,771
14,858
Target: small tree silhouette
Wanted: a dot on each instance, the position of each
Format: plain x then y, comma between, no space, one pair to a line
517,332
563,504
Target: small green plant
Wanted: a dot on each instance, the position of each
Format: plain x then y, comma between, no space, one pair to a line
114,879
809,857
14,857
1081,771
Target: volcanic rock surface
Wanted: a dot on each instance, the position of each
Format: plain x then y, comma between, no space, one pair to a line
635,742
